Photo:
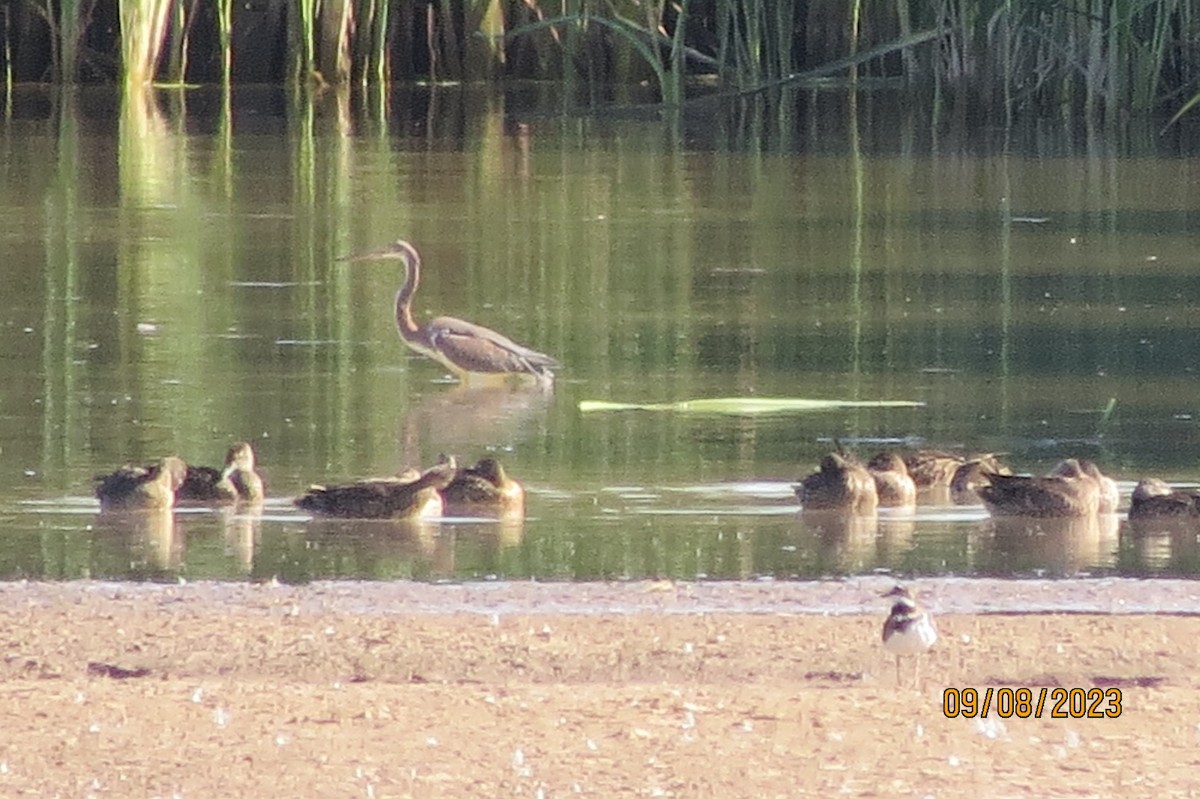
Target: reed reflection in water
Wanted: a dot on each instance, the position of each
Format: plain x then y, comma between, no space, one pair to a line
846,250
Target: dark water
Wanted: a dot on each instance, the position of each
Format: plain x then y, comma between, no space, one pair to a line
171,285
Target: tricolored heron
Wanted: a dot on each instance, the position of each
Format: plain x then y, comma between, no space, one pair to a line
462,347
236,480
141,487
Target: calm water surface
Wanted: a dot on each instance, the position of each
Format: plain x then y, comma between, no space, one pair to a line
171,285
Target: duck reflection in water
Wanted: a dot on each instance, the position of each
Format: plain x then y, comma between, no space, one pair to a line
384,548
237,479
468,350
141,487
845,540
149,538
1064,546
408,496
241,526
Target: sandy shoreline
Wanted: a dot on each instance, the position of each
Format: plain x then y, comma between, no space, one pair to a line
833,597
638,689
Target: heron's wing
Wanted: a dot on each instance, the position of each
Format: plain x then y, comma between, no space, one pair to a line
474,348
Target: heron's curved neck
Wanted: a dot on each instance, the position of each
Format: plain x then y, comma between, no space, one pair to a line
404,318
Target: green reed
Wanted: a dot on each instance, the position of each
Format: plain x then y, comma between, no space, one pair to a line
224,10
1096,57
143,31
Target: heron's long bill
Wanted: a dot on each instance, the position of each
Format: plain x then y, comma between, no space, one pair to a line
379,253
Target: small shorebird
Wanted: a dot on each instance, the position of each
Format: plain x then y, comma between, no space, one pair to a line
908,629
484,488
141,487
893,483
842,483
409,496
236,480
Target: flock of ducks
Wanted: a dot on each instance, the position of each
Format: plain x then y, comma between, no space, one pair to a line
480,490
1074,488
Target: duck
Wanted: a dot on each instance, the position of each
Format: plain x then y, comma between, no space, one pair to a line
971,474
841,483
141,487
1066,491
483,487
931,468
1152,498
1110,494
236,480
406,496
894,486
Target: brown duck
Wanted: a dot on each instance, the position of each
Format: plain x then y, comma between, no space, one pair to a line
403,497
841,483
141,487
971,474
893,484
1067,491
1154,499
236,480
486,488
931,468
1110,494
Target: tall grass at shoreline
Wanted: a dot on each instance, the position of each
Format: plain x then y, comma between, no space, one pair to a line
1087,57
143,32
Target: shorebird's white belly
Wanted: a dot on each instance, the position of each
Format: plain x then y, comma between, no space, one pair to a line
913,640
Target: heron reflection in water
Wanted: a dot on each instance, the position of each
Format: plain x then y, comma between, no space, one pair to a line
466,349
467,417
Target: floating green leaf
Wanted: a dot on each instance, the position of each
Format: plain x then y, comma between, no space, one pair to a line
746,406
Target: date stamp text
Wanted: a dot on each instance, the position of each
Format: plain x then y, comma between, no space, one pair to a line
1024,703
